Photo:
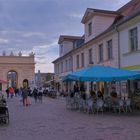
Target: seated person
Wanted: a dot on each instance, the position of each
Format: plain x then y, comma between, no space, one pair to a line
100,94
83,95
72,94
93,95
76,89
113,95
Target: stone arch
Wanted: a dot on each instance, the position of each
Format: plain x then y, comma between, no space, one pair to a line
12,78
24,66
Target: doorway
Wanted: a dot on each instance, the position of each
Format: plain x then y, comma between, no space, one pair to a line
12,78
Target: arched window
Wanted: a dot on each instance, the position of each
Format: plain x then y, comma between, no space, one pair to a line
12,78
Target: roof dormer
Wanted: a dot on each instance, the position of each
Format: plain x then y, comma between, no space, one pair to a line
97,21
68,43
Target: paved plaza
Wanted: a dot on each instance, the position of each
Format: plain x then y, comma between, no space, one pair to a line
51,121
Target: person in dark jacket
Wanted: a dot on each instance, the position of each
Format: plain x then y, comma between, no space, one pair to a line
25,96
7,92
40,94
35,94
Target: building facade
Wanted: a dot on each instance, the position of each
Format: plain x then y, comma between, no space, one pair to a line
105,41
64,64
129,39
16,69
43,80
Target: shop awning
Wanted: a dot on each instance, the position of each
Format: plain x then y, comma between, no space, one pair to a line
3,82
102,73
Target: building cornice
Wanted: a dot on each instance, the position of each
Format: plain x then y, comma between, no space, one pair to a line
17,63
68,37
8,56
90,12
87,44
111,29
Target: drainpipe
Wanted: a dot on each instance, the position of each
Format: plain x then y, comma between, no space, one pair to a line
119,63
119,56
71,82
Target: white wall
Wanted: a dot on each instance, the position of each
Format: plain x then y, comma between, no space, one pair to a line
129,58
99,24
114,61
95,53
57,66
67,46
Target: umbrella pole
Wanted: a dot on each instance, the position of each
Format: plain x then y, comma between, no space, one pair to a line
120,89
97,86
129,89
105,89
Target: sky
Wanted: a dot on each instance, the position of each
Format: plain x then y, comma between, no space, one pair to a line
35,25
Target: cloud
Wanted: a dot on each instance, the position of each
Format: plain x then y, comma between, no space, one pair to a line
4,41
76,15
31,34
35,25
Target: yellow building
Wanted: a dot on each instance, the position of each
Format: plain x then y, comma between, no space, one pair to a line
16,69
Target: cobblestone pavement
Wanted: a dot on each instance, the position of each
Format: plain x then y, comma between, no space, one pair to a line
51,121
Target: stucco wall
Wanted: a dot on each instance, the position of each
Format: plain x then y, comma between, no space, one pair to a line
16,59
95,53
57,65
99,24
114,61
24,66
129,58
67,46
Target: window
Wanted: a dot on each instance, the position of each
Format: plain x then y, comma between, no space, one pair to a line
90,28
82,60
100,52
66,65
70,64
61,67
77,58
109,49
133,40
90,56
61,49
77,43
58,68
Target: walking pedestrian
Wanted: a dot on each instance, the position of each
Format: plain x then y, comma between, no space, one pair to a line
28,96
11,91
25,96
7,92
16,91
20,94
35,94
40,94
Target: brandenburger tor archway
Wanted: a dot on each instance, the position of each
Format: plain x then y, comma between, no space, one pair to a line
17,68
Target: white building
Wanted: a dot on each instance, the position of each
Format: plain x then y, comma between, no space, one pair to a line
64,64
129,39
105,42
